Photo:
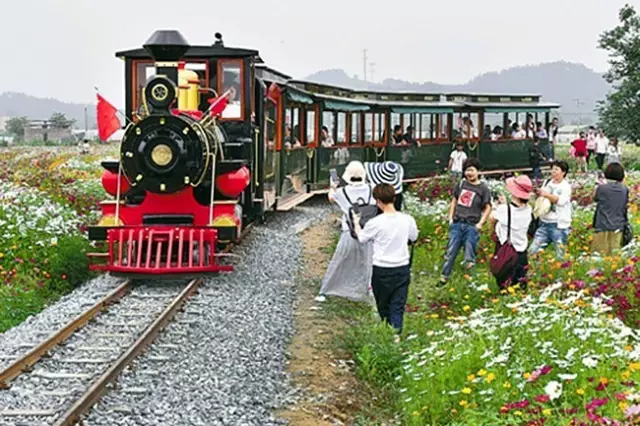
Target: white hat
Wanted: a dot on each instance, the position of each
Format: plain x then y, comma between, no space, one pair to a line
387,172
354,169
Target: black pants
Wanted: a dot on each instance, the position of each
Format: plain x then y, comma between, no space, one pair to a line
517,275
600,160
590,153
390,288
398,202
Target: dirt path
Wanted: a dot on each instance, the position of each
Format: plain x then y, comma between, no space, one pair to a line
330,388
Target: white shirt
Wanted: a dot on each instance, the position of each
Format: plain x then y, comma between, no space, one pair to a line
520,220
602,143
560,212
355,192
390,234
520,134
458,158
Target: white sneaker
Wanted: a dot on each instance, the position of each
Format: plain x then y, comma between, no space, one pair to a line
320,298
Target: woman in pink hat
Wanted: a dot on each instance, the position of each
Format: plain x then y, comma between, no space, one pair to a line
517,216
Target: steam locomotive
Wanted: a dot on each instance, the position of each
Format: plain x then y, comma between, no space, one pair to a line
182,180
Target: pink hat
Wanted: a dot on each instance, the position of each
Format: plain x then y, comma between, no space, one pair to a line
520,187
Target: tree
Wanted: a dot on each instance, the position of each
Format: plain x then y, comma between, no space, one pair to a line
620,112
59,120
15,126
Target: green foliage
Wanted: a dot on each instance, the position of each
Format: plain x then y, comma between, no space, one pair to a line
620,112
59,120
15,126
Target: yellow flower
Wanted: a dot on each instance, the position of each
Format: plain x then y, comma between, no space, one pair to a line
635,366
467,308
580,391
471,377
627,348
506,385
416,414
625,375
604,380
463,403
434,316
526,375
518,413
490,378
466,391
623,405
546,412
482,373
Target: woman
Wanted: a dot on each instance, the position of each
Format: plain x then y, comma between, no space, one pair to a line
580,151
610,217
387,172
512,223
349,272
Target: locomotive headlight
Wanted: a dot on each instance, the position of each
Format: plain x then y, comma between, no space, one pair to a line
161,155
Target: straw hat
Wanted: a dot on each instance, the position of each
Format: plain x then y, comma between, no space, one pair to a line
387,172
354,169
520,187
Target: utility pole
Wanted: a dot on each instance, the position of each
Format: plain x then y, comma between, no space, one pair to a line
578,105
86,125
364,61
372,65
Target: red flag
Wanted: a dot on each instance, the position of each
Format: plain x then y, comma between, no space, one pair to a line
218,104
274,92
108,122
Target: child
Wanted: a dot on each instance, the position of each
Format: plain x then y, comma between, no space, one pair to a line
520,189
456,161
390,232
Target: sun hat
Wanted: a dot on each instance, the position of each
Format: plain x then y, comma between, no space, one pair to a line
387,172
354,169
520,187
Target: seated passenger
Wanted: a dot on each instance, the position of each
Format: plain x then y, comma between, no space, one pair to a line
540,131
233,108
396,137
325,137
408,138
288,141
517,132
496,133
486,133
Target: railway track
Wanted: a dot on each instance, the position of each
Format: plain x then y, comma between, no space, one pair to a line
60,379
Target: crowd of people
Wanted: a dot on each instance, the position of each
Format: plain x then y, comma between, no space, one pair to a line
372,260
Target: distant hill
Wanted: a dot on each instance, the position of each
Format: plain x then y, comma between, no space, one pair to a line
19,104
561,82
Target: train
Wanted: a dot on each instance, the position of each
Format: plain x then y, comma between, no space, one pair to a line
215,139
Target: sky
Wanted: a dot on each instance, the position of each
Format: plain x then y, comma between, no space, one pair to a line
63,48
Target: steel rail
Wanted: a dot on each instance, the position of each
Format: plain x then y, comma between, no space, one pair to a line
25,362
83,404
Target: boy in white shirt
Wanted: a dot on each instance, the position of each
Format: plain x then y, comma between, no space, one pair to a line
390,233
456,161
555,225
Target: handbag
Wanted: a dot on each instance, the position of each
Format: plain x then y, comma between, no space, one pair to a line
506,257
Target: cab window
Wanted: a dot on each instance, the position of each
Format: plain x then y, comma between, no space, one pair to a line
230,80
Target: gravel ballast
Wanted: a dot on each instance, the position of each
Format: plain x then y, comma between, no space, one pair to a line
223,360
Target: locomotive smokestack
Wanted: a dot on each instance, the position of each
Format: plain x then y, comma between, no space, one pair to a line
167,47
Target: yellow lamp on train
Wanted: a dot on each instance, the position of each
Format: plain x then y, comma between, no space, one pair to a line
188,90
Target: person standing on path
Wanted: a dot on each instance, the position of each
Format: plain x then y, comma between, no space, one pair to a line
469,210
349,272
555,225
387,172
390,233
456,161
602,144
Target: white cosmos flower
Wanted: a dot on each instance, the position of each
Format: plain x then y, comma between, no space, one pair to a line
567,376
590,362
553,389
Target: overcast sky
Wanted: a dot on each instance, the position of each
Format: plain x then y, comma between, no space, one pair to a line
63,48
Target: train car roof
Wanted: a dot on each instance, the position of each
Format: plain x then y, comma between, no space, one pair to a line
198,52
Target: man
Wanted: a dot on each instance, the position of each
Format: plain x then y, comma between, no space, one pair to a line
556,223
602,144
536,158
553,136
390,232
469,210
456,161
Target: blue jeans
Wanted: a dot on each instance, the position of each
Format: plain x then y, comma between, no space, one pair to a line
460,234
549,233
537,172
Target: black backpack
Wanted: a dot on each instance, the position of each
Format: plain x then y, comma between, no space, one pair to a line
362,207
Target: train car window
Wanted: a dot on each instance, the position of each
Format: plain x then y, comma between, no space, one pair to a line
395,120
327,121
230,79
342,127
142,71
356,135
270,125
368,127
381,127
311,127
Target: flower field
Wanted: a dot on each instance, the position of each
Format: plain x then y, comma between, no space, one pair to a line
47,197
564,352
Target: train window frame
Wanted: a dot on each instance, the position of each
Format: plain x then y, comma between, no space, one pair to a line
314,122
345,129
219,82
355,123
